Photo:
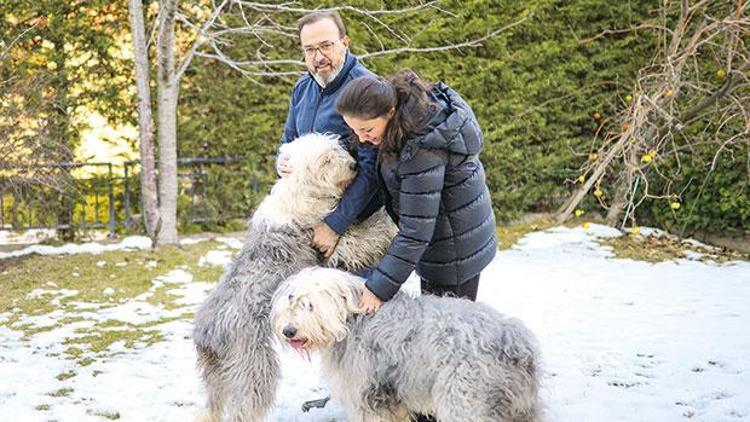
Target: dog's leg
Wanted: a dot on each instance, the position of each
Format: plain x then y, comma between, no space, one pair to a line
252,381
461,400
463,394
211,374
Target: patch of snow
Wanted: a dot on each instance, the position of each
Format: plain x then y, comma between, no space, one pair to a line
622,340
232,242
131,242
192,240
219,258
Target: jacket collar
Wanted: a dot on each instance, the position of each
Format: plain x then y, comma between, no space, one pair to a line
349,62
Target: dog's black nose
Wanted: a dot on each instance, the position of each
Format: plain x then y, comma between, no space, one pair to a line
353,166
289,331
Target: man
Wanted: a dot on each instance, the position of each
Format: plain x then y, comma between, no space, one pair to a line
330,66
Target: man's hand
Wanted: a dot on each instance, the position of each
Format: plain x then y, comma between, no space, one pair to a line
324,239
283,167
368,303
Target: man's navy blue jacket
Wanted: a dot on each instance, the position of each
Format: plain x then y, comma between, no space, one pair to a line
313,109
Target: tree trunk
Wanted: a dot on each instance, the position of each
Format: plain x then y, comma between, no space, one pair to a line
567,208
622,194
149,197
60,144
167,115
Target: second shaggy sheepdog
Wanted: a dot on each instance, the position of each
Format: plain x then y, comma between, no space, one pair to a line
232,331
450,358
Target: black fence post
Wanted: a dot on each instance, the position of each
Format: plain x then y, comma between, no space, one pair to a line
112,222
2,203
127,195
14,211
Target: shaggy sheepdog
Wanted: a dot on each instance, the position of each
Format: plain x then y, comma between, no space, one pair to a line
232,331
447,357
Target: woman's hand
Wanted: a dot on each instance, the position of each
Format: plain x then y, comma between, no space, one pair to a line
324,239
368,303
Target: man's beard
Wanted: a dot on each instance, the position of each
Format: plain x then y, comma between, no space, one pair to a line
325,81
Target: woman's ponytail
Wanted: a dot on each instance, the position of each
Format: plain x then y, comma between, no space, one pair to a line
413,111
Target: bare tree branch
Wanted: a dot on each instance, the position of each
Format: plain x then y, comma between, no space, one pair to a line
199,40
454,46
670,95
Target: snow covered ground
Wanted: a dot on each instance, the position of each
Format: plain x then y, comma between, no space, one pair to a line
622,341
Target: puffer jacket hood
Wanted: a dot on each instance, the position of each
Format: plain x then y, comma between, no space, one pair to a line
453,128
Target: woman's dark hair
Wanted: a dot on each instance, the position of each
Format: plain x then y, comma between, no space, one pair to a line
371,97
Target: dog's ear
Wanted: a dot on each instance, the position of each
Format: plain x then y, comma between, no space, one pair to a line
351,297
323,161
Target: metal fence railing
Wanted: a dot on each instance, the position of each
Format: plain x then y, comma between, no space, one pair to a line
56,196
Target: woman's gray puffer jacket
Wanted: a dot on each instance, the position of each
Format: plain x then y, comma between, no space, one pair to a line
437,194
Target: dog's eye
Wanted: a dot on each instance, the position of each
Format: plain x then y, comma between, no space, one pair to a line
310,307
291,297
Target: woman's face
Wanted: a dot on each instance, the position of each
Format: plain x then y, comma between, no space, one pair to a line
369,130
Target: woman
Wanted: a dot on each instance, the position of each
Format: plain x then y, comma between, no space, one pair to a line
428,142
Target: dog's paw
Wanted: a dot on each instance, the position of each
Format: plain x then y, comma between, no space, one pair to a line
205,415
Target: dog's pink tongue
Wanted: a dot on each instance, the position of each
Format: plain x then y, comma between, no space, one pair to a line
296,344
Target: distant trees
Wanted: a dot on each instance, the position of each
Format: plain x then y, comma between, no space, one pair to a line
58,58
632,109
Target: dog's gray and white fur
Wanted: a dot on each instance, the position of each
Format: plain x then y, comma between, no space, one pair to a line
232,332
446,357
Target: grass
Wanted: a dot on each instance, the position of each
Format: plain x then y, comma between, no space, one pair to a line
666,248
125,275
62,392
648,249
125,272
109,415
62,376
98,341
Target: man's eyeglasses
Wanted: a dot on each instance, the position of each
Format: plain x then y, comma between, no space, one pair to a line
325,48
